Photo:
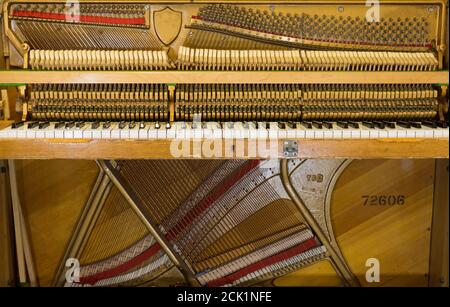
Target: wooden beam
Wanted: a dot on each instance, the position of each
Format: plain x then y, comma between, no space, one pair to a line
17,224
438,276
7,272
161,149
15,77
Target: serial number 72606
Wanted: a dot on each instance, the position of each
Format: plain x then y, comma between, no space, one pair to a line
383,200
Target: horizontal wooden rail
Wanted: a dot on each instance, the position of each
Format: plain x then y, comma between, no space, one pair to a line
14,77
164,149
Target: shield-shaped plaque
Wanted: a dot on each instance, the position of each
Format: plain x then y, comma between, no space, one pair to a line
167,23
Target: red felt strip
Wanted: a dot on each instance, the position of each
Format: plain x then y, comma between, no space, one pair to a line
80,18
210,199
152,250
293,251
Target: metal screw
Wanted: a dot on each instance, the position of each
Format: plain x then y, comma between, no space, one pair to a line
340,9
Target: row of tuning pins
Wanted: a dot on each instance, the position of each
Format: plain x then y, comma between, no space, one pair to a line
414,30
112,10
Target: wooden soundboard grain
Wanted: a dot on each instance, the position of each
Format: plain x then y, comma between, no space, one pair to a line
6,232
52,193
318,274
399,236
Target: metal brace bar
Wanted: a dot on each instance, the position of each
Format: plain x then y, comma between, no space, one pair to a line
138,208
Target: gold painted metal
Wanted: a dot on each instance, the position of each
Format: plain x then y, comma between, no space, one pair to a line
337,262
136,205
85,224
26,265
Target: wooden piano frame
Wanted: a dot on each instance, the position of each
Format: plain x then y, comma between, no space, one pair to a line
160,149
307,148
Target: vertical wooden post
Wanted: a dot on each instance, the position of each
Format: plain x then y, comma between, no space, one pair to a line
7,271
439,248
24,253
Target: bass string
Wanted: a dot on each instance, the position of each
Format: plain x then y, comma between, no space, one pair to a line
234,228
205,262
117,228
57,36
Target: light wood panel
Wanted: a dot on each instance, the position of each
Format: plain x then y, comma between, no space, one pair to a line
399,235
218,77
6,233
160,149
439,235
52,195
318,274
